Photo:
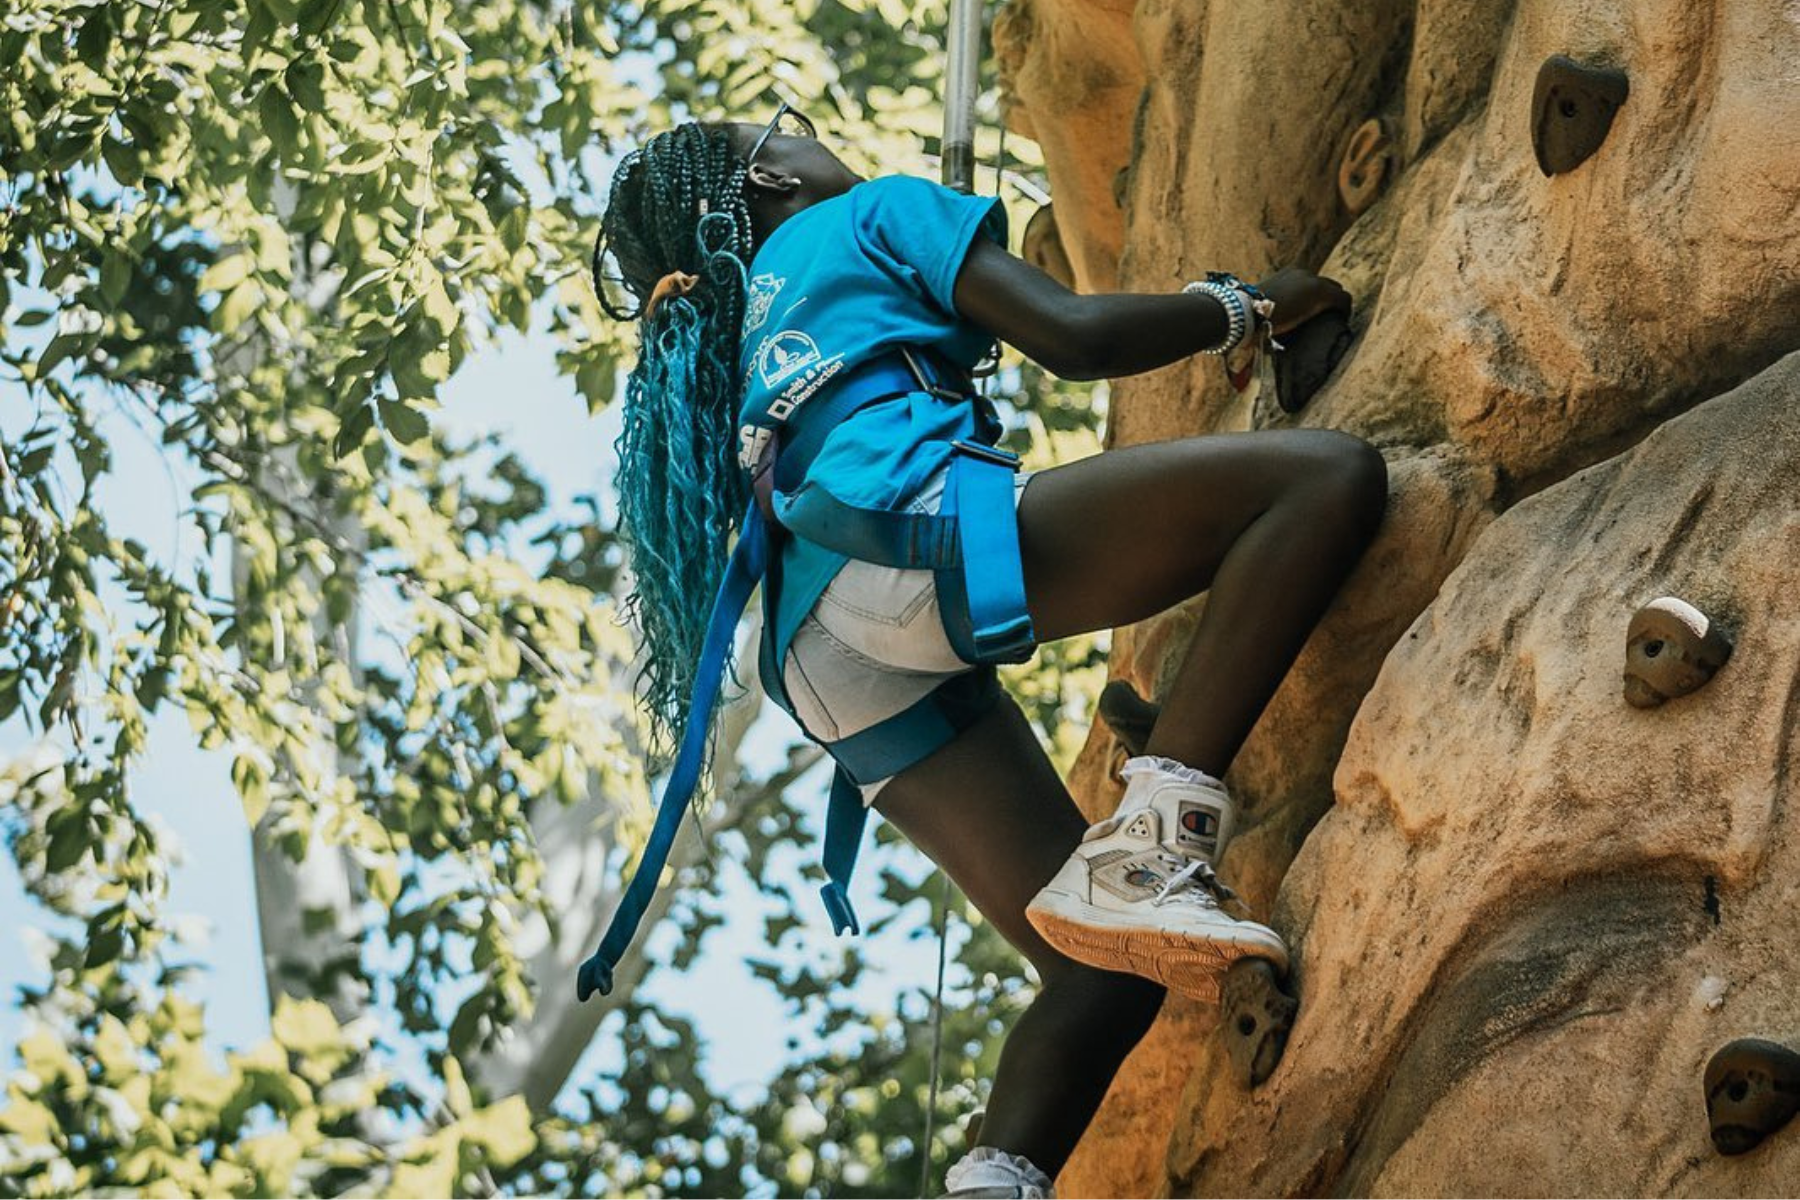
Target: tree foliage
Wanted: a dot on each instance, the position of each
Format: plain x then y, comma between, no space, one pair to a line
266,232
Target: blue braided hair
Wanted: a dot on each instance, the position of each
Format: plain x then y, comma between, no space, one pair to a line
677,204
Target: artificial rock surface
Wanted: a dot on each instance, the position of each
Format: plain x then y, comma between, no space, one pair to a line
1525,913
1534,911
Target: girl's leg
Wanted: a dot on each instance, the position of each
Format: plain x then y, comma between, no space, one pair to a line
990,810
1271,523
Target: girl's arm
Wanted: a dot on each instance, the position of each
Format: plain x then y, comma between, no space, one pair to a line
1077,336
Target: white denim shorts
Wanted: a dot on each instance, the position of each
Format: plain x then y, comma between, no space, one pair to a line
874,644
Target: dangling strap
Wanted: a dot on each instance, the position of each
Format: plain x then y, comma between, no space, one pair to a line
845,816
749,561
887,749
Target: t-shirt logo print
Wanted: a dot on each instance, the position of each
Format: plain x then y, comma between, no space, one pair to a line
763,290
784,354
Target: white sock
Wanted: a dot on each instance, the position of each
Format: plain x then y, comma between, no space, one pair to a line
988,1167
1151,769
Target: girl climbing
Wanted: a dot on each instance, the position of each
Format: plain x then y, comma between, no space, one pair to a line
806,337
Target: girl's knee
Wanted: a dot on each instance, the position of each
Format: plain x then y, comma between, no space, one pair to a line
1366,480
1349,479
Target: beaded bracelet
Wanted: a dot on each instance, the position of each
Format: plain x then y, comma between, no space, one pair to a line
1237,313
1249,314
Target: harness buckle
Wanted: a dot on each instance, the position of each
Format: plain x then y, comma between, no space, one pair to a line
993,454
1009,642
925,380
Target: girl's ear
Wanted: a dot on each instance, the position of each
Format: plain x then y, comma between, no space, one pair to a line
772,179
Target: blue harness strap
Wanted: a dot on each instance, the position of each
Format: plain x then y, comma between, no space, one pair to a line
887,749
845,816
973,546
981,481
978,561
887,539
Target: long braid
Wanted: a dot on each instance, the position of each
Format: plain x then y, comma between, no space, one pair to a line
677,204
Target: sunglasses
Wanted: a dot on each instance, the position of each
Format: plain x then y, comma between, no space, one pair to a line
788,121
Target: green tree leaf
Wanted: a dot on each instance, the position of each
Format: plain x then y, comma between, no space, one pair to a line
405,423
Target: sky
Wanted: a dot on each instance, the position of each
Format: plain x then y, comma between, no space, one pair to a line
511,388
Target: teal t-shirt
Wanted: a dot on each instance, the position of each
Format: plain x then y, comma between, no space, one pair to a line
835,285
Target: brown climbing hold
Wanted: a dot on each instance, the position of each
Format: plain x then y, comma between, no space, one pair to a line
1128,715
1364,165
1255,1016
1313,351
1042,247
1671,649
1572,111
1752,1090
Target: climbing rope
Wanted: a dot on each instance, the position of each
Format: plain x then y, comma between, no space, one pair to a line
937,1034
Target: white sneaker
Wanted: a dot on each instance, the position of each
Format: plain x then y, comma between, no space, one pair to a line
985,1171
1139,894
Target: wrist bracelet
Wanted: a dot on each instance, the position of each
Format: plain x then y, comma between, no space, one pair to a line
1251,314
1238,314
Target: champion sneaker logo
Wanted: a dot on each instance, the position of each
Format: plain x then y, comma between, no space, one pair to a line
1142,877
1200,822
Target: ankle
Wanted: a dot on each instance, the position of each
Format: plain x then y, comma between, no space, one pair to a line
988,1170
1166,768
1148,774
1195,809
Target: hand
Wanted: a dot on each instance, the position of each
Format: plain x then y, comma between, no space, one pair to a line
1299,296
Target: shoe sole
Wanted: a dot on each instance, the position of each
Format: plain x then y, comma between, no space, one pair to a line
1184,964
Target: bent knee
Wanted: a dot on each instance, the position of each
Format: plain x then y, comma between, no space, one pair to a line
1366,482
1352,477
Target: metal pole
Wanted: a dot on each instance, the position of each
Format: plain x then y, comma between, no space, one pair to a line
962,76
961,84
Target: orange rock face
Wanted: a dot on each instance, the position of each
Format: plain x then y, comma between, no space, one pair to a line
1527,913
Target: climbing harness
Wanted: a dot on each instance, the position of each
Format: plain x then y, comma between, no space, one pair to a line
972,546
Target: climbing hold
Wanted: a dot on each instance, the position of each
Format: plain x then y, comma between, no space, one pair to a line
1043,247
1752,1089
1364,165
1128,715
1313,351
1572,111
1671,649
1255,1016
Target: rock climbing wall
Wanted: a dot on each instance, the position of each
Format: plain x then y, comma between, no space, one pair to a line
1526,912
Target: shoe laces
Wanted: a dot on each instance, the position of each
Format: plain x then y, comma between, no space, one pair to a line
1196,882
